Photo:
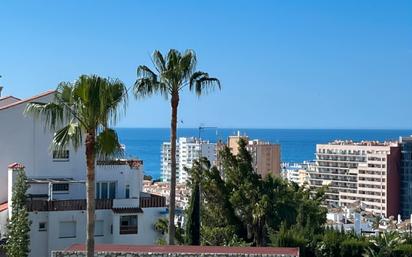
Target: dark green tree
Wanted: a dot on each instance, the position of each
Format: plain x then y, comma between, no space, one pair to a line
193,211
18,239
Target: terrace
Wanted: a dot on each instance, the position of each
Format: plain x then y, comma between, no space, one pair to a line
145,201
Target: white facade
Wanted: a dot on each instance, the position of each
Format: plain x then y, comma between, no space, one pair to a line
187,151
359,171
56,205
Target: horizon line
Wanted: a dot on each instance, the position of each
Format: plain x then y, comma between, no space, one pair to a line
263,128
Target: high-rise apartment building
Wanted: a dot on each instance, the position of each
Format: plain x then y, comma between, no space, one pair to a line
188,149
366,171
266,156
406,176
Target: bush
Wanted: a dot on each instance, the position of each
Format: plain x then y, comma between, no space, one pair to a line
330,244
353,247
404,250
290,238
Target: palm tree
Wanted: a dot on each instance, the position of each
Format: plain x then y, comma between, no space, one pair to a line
384,245
172,73
85,109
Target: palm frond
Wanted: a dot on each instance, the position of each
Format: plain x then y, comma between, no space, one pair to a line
158,61
187,64
71,134
53,114
108,145
201,83
147,83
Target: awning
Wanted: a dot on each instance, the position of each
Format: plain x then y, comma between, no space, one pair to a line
127,210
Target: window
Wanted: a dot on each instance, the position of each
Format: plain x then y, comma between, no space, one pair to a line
64,187
61,155
128,224
67,229
127,192
42,226
105,190
99,228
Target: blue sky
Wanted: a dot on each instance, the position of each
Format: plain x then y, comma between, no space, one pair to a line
282,64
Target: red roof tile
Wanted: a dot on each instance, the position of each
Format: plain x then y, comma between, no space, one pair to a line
4,206
16,165
187,249
28,99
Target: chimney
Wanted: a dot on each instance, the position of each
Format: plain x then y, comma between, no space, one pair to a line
1,88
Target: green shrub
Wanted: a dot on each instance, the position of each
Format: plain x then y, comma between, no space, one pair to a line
353,247
404,250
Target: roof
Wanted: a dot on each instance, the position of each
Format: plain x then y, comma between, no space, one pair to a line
189,249
53,180
9,96
16,165
133,163
28,99
4,206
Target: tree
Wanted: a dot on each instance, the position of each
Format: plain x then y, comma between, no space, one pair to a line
385,244
172,74
193,211
85,109
18,239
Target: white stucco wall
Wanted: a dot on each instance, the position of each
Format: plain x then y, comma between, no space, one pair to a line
43,242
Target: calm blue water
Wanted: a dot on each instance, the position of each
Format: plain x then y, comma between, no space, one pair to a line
297,145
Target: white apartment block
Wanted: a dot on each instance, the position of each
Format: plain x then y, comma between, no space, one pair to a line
366,171
56,197
188,149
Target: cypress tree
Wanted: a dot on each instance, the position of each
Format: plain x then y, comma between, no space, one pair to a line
18,239
193,221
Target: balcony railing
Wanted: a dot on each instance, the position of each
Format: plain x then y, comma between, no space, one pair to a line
66,205
151,201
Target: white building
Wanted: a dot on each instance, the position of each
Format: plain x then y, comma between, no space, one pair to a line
365,171
188,149
124,214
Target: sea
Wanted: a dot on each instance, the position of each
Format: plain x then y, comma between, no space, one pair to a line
297,145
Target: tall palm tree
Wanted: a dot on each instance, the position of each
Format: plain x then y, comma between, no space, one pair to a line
172,74
85,109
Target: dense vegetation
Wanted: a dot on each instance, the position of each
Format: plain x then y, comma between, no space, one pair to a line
234,206
18,239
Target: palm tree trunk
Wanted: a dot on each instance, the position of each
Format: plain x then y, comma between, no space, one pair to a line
90,159
172,202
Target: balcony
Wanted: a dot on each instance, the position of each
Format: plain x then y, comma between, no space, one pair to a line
146,201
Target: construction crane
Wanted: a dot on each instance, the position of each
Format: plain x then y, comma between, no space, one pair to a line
201,128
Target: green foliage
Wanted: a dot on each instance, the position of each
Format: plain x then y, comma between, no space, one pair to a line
147,177
162,227
330,244
250,206
193,211
289,238
353,247
404,250
18,239
89,105
385,245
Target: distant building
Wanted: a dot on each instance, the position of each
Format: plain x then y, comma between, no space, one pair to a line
266,156
188,149
406,176
364,171
296,173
